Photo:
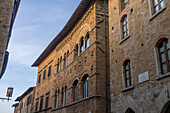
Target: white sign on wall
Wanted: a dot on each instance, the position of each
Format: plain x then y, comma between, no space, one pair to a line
143,77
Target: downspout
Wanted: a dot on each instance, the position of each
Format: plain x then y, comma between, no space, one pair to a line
106,91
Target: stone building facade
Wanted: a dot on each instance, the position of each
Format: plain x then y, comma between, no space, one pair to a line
139,38
25,101
71,70
7,16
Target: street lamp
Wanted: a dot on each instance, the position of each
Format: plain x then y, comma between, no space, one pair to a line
9,94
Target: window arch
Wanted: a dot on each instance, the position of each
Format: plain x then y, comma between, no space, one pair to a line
63,93
87,42
81,45
85,86
57,94
129,110
127,73
124,26
75,90
164,55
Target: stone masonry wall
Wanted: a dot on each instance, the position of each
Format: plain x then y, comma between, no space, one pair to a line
139,47
85,63
6,7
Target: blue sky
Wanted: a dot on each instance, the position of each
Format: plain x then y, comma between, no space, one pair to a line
36,24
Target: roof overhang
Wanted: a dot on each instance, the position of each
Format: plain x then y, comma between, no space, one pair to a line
75,18
24,94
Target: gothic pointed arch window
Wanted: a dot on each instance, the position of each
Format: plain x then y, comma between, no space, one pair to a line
85,86
75,90
163,55
58,61
129,110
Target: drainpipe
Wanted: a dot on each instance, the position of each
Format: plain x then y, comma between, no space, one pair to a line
107,110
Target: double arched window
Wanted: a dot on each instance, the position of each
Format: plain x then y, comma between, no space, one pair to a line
83,44
164,55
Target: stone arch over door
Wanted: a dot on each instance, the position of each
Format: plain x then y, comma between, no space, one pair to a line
166,108
129,110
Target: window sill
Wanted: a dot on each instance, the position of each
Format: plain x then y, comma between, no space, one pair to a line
124,39
163,76
157,13
46,109
127,89
87,98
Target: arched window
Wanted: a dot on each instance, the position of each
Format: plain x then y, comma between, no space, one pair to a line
127,73
75,90
166,108
124,4
87,41
57,98
76,51
81,45
64,96
67,57
85,84
125,27
164,55
129,110
65,64
60,63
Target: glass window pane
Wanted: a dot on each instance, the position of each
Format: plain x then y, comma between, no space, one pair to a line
167,44
127,82
155,2
168,54
127,74
156,8
124,28
88,42
164,68
161,49
163,57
